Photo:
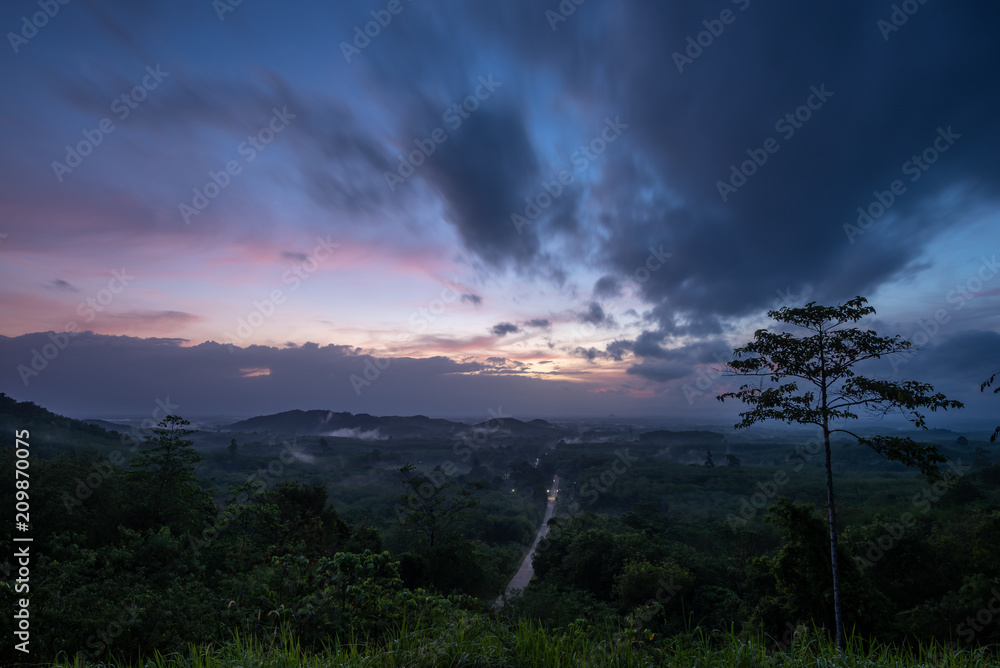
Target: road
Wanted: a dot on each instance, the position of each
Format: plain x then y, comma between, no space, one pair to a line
526,571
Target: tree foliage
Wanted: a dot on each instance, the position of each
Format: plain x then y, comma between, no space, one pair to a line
821,354
823,362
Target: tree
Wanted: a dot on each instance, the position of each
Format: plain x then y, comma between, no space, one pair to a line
233,447
431,508
708,459
802,577
165,469
732,460
170,456
823,357
996,390
308,526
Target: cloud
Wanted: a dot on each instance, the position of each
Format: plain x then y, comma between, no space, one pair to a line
538,323
476,300
62,286
155,317
481,173
589,354
505,328
660,372
357,433
210,379
617,350
607,286
596,316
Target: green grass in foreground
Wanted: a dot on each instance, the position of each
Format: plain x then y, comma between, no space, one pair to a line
482,643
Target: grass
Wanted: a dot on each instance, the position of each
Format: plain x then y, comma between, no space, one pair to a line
479,642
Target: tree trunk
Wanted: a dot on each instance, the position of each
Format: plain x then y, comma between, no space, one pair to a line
838,612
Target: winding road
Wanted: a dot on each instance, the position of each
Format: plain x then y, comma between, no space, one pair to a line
526,571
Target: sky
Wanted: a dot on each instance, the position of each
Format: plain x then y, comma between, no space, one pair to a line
450,208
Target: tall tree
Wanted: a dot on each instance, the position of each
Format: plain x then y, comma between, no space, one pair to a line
821,355
165,470
430,506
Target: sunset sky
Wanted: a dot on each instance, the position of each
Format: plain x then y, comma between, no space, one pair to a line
256,207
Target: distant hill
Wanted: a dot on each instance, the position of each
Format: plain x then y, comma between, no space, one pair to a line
109,426
663,437
363,425
321,422
520,428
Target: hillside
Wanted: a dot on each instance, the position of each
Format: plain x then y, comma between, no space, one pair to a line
52,433
349,425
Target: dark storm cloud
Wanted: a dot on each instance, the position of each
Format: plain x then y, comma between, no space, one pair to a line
211,378
956,364
878,102
505,328
480,172
783,229
656,363
647,344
